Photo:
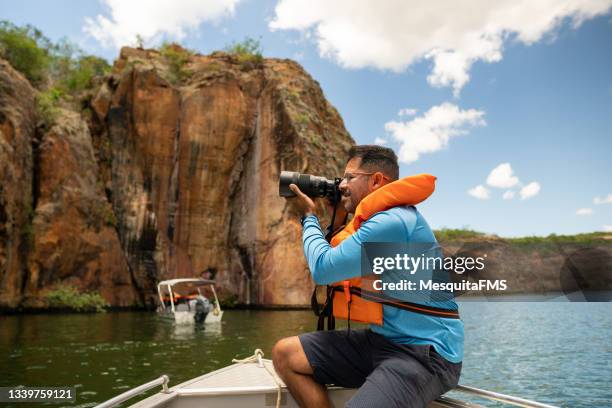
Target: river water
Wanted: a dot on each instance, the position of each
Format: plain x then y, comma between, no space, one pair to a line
558,353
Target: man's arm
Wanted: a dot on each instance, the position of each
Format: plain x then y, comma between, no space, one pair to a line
328,265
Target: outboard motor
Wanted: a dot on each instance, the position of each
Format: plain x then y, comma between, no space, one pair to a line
202,308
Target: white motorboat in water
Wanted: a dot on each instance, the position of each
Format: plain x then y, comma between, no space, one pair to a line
182,301
252,382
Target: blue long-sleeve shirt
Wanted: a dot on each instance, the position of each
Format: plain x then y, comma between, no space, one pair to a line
400,225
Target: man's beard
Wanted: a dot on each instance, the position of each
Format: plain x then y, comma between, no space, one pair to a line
345,201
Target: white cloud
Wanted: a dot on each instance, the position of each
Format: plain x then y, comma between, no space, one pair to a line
607,228
584,211
502,177
604,200
380,141
530,190
153,19
480,192
407,112
508,195
394,34
432,131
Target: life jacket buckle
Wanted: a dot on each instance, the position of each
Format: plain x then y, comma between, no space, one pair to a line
347,290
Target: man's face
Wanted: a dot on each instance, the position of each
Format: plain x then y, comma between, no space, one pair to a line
355,185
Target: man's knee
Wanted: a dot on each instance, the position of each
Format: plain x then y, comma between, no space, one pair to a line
288,354
281,352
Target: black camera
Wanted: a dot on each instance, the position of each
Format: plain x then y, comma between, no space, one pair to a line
312,186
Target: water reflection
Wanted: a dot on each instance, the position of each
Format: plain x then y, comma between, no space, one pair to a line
192,331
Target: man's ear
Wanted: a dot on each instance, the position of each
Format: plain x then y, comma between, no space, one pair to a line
377,181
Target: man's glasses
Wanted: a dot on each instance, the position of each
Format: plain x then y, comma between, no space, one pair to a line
350,176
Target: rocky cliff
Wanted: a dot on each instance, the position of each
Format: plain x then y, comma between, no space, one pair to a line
169,168
174,174
74,240
17,134
578,268
194,166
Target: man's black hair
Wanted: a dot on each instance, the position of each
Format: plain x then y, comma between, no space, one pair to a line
376,158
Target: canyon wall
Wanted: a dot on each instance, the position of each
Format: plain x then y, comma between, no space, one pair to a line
171,171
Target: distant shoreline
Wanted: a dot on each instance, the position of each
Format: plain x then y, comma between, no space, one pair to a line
603,296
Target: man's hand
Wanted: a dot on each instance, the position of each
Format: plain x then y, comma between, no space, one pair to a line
305,203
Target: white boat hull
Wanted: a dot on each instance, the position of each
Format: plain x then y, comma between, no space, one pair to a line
249,386
187,317
212,318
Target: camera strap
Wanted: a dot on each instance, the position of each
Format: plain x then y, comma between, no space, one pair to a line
326,310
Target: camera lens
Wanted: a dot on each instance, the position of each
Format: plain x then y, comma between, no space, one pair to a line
312,186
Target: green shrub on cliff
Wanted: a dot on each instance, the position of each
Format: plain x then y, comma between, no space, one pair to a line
81,72
48,104
68,297
26,49
45,64
103,212
176,57
591,238
60,71
229,302
247,52
449,234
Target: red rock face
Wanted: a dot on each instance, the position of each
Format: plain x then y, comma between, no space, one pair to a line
178,177
56,224
17,128
195,166
75,241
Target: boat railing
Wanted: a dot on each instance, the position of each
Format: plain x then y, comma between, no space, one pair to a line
163,381
495,396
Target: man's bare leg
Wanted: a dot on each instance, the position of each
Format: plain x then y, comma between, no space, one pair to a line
292,366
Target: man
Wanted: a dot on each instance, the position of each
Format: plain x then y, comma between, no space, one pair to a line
410,359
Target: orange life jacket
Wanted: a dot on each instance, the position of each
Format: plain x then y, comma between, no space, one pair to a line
350,304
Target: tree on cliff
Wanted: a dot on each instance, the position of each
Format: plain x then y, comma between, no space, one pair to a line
60,71
26,49
46,64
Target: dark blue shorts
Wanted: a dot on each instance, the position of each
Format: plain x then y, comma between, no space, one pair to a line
387,374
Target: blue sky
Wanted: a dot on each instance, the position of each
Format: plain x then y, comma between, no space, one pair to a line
537,96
